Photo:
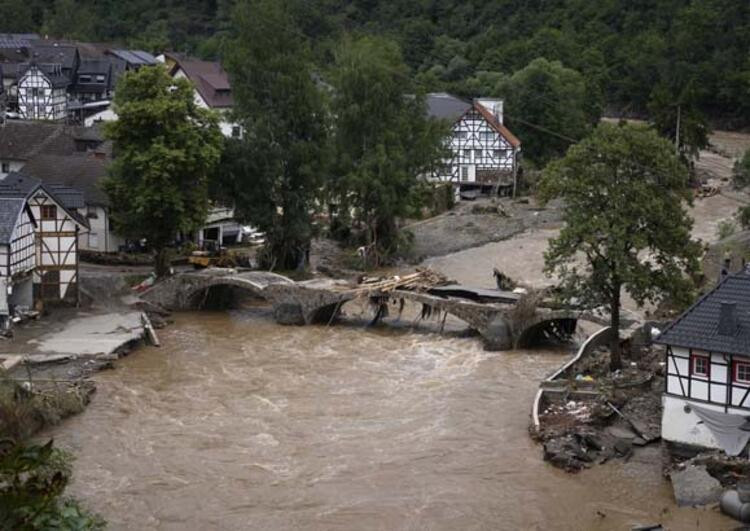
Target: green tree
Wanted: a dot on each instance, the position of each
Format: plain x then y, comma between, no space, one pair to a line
32,481
625,223
17,16
667,109
279,166
70,19
384,139
165,149
546,97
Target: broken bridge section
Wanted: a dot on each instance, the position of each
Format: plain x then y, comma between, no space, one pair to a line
493,313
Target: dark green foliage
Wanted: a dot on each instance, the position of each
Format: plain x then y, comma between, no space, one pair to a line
165,148
32,481
547,108
666,106
274,174
625,48
626,226
384,140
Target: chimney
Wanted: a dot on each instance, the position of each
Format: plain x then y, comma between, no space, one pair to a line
728,319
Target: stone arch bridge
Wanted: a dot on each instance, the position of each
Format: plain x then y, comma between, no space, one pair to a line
496,315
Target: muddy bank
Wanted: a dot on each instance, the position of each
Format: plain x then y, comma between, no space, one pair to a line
474,223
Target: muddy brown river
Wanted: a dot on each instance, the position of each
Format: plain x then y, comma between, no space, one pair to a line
237,423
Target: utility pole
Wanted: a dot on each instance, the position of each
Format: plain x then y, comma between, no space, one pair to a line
677,134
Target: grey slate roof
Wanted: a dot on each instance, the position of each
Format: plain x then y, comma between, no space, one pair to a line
18,185
445,106
698,326
10,210
82,171
135,57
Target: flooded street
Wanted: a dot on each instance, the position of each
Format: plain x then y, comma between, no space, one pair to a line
238,423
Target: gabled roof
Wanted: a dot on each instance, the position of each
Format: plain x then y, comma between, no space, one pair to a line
10,213
65,55
496,125
20,185
209,78
20,139
53,72
81,171
445,106
698,327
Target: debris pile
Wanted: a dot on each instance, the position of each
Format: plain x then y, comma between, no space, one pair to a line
593,415
422,280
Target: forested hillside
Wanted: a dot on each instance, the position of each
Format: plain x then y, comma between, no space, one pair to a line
629,52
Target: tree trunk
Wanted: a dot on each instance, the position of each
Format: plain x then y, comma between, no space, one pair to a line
162,262
615,359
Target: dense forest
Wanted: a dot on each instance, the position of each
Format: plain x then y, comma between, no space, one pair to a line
694,53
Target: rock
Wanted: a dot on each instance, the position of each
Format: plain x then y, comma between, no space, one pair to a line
565,452
621,432
290,314
639,442
695,486
623,447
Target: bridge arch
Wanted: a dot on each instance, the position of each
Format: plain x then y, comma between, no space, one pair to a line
558,325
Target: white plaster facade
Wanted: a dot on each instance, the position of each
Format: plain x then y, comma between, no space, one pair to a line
708,380
39,98
99,237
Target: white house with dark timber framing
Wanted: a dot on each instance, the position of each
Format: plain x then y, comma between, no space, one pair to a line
42,92
484,154
57,230
707,386
17,256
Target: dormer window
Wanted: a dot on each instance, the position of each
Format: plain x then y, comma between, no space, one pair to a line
100,78
84,78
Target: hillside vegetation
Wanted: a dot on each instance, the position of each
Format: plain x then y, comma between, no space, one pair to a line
631,53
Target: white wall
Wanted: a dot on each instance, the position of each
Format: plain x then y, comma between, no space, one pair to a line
99,237
14,165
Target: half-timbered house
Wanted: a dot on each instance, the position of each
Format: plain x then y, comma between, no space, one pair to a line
42,92
483,152
57,230
707,386
17,257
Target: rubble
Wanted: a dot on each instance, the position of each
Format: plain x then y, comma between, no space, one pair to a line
695,486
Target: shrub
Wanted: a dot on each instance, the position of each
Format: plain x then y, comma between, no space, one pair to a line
741,171
726,228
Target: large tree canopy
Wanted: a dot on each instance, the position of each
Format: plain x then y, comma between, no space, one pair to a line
279,165
165,148
384,139
547,106
626,227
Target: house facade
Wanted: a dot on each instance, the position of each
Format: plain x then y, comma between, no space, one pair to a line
707,385
42,92
212,87
17,257
56,232
484,154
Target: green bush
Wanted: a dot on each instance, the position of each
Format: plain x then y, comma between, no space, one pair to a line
32,481
726,228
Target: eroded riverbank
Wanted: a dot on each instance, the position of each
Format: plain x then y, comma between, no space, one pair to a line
239,423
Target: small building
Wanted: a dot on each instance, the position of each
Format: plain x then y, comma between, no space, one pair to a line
212,87
17,257
484,154
57,230
707,385
42,92
84,172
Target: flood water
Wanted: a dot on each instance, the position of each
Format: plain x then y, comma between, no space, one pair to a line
237,423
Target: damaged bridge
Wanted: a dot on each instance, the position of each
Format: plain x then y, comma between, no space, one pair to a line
502,318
